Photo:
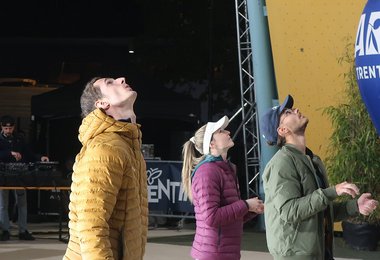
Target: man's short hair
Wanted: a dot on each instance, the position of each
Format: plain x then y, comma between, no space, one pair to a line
7,120
271,119
90,95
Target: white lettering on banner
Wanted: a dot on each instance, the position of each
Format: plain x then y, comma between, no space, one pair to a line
152,194
359,48
368,72
372,36
171,190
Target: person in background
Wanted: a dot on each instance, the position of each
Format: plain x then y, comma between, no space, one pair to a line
210,181
13,148
299,203
109,196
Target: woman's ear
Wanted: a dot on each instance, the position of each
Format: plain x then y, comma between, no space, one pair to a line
211,145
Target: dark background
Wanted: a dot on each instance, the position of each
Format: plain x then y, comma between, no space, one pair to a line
184,66
174,41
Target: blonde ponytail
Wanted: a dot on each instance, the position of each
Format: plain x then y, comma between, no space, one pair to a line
190,159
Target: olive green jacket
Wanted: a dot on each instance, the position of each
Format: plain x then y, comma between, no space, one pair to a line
295,206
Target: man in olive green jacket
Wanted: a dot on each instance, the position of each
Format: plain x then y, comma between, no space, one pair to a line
108,201
299,207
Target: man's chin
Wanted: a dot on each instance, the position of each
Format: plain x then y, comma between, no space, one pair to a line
303,127
133,96
306,122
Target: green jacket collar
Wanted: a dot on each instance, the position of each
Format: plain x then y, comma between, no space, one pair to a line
305,158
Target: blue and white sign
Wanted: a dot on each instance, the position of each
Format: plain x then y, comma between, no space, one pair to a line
165,191
367,59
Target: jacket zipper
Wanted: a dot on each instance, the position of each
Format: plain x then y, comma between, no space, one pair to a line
319,214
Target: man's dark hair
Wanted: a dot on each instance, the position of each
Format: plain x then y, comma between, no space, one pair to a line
7,120
281,141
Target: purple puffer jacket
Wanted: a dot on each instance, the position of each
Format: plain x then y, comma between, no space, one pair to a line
219,212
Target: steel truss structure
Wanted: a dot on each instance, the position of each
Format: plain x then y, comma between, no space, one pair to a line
249,123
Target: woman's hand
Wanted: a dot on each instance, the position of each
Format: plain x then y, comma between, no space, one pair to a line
255,205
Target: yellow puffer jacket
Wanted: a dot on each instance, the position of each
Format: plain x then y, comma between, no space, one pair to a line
108,200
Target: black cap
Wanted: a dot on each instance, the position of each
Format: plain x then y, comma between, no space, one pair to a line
7,121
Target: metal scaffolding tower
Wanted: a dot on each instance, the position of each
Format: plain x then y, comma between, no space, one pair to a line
249,123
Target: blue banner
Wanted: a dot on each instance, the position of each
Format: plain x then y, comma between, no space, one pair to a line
367,59
165,191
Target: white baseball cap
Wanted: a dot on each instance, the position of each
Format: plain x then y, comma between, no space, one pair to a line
211,128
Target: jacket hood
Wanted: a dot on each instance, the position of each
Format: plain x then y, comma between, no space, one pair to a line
97,122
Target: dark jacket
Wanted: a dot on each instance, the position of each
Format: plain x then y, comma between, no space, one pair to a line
15,143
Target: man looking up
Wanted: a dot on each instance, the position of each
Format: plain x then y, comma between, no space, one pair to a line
299,203
108,201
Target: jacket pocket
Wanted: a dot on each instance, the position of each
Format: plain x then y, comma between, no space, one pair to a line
308,238
295,233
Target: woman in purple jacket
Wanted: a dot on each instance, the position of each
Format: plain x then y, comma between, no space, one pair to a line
210,182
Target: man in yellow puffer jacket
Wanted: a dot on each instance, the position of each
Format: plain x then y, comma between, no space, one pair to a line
108,200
